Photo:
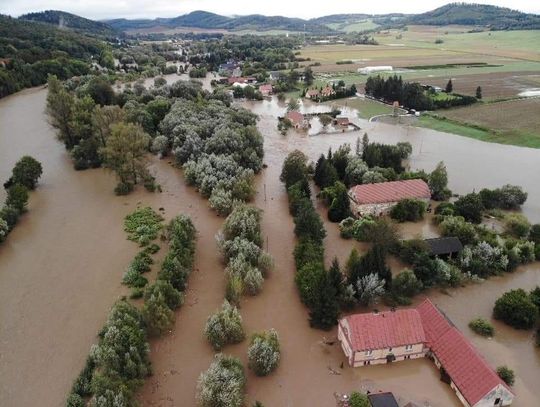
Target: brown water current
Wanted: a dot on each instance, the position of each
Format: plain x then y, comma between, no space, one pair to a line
61,268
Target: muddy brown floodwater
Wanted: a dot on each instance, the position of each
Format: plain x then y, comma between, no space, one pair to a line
60,271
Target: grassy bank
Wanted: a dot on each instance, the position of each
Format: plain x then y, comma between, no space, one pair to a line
517,138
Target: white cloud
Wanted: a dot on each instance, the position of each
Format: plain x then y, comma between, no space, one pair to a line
102,9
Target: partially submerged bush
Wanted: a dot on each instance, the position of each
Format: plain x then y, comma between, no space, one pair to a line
224,327
143,225
223,384
516,309
264,353
506,374
482,327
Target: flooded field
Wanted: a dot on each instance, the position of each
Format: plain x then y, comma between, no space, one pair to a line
60,271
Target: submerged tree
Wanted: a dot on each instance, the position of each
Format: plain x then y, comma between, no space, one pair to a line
264,353
125,153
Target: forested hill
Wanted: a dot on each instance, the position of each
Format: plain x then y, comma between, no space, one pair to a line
30,51
497,18
64,20
206,20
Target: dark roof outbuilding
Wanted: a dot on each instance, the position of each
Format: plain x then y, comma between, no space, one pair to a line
444,245
382,400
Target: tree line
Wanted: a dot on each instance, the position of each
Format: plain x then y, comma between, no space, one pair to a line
24,177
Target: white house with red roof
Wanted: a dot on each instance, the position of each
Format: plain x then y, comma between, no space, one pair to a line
424,331
377,199
266,89
297,119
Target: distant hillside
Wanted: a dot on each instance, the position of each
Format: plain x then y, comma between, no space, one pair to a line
498,18
32,50
206,20
61,19
340,18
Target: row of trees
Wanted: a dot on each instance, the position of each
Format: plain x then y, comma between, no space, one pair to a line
119,363
240,242
316,286
412,94
24,177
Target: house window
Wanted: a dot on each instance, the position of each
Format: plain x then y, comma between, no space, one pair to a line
389,349
367,362
497,401
408,348
368,352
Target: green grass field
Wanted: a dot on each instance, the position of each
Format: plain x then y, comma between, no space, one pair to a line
517,138
366,108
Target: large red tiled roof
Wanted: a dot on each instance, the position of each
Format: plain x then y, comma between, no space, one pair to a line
392,191
385,330
466,367
295,117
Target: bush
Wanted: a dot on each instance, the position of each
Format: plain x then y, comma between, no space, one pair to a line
123,188
224,327
4,230
223,384
408,210
26,172
408,250
457,226
406,284
506,197
143,225
173,298
516,309
506,374
517,225
470,206
482,327
17,197
264,353
359,400
157,315
10,215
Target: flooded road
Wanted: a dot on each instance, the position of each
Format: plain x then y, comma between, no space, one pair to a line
60,271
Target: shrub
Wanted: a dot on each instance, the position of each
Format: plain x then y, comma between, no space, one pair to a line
406,284
157,315
223,384
470,206
358,400
4,230
27,172
10,215
408,250
264,353
516,309
307,280
123,188
506,374
534,233
17,197
517,225
294,168
458,227
411,210
445,209
244,222
224,327
173,298
482,327
143,225
74,400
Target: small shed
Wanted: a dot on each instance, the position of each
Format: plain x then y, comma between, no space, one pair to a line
341,121
382,400
444,246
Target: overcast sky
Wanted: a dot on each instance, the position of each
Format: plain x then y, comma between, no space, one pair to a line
102,9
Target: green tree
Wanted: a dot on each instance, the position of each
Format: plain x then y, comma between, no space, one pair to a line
516,309
294,168
27,172
406,284
470,206
438,183
340,207
506,374
358,400
482,327
223,384
224,327
324,311
308,76
292,105
408,210
100,90
264,352
125,153
325,120
17,197
157,315
4,230
60,110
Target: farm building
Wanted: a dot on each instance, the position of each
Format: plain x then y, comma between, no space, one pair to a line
377,199
297,119
444,246
266,90
341,121
312,94
241,79
367,70
424,331
382,400
327,92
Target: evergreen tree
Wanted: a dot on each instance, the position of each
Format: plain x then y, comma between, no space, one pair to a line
340,207
324,312
317,176
479,92
335,277
449,86
157,315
